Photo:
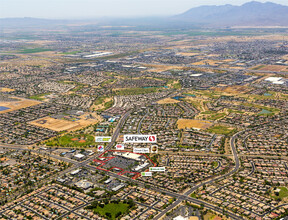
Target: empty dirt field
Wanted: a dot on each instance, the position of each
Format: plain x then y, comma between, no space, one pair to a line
160,68
6,90
190,123
187,54
15,105
276,68
65,125
168,101
233,89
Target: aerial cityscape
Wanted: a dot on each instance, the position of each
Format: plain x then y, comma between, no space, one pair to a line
180,117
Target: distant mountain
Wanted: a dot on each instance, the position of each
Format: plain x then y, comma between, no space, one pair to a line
250,14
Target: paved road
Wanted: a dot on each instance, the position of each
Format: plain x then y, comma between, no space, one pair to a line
207,205
179,197
234,170
140,123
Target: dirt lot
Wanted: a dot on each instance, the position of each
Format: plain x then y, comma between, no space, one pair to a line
189,123
65,125
6,90
189,54
54,124
22,103
233,89
276,68
161,68
168,101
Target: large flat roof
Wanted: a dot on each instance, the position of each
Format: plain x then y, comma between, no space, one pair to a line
129,155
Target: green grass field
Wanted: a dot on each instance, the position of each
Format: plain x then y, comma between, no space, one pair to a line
109,104
235,111
33,50
112,208
100,100
136,91
283,193
71,53
39,97
210,115
219,129
66,141
269,109
214,164
210,94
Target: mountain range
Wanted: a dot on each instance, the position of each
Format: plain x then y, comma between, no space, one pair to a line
249,14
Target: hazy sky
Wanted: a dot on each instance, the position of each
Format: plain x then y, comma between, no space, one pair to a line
105,8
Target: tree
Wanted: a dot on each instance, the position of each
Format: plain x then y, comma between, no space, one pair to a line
118,214
108,214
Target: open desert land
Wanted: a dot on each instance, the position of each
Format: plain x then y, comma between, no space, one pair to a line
191,123
16,105
66,125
